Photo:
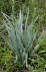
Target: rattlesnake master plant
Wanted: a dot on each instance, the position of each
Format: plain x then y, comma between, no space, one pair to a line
25,42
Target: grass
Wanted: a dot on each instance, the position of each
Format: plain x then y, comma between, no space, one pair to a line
22,36
24,40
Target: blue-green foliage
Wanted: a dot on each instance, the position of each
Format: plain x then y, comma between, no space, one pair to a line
24,42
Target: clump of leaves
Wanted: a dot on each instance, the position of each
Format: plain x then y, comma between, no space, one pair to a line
22,38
